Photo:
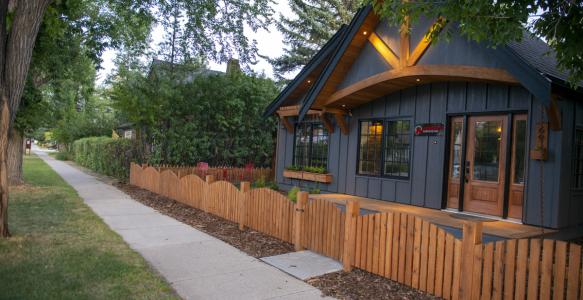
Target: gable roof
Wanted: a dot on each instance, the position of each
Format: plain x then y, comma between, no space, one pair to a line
530,60
540,56
347,36
308,69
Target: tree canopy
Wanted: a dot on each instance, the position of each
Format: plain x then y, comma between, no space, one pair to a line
313,24
559,23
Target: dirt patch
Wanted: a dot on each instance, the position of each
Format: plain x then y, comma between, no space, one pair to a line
251,242
360,284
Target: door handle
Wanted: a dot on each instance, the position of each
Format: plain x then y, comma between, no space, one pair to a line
467,172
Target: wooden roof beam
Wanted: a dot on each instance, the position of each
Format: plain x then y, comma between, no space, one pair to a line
424,44
292,111
384,50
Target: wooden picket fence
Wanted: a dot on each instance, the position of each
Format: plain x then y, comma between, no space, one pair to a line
399,246
224,173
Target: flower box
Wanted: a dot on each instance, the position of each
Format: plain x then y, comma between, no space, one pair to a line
309,176
325,178
293,174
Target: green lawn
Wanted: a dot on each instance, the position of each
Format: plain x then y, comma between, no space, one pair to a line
59,249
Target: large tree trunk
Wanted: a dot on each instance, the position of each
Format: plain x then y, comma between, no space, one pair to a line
15,153
4,130
15,55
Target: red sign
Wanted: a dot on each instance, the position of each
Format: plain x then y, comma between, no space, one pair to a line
203,166
429,129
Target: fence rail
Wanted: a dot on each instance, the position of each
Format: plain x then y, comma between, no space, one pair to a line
399,246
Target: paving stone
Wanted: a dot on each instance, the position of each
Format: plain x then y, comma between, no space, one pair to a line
304,264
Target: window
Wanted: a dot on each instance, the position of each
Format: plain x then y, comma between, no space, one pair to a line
385,147
397,147
311,145
519,150
371,134
578,160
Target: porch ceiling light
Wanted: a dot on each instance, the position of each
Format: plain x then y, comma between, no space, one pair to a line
365,32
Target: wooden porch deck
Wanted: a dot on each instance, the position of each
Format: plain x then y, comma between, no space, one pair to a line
494,227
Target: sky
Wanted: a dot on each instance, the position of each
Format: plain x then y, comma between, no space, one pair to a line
269,43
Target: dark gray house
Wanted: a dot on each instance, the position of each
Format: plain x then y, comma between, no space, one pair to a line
451,125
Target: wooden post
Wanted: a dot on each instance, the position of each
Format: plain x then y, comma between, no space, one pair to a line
352,212
245,188
472,236
209,179
302,201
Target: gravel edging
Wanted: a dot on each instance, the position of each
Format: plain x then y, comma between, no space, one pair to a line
357,284
253,243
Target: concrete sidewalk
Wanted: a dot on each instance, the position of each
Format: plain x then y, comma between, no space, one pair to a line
197,265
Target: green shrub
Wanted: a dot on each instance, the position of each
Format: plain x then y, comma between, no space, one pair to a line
63,155
262,183
314,191
293,168
293,194
107,156
319,170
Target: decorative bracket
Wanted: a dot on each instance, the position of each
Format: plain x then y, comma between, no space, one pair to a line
329,126
287,124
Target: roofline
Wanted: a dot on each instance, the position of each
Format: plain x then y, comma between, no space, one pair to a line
534,81
306,70
347,37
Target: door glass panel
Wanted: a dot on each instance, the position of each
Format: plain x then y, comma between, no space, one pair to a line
487,150
520,150
456,161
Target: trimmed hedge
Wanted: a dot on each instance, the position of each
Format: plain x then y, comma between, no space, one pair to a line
105,155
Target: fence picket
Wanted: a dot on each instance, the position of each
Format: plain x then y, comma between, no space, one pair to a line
399,246
547,268
559,270
573,271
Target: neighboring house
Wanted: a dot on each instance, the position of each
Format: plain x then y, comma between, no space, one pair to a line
453,125
126,131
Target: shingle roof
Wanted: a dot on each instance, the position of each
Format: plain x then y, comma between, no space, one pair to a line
536,53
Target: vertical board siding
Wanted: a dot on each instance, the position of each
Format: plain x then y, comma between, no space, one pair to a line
429,103
399,246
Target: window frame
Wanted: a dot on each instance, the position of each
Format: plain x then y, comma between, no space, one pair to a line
385,120
311,124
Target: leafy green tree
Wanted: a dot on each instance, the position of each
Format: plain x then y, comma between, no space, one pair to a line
217,119
313,24
559,23
211,117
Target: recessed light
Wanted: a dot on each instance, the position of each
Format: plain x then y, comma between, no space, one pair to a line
364,32
418,79
309,81
343,105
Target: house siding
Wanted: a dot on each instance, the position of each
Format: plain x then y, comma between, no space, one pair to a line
433,103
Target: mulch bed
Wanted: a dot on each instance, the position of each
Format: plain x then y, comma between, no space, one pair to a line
360,284
357,284
249,241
